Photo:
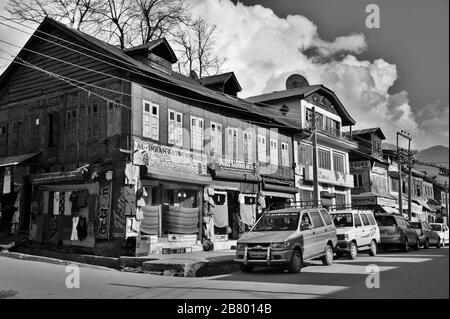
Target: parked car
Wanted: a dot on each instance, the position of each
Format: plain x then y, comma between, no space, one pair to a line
356,231
286,238
395,230
427,236
442,230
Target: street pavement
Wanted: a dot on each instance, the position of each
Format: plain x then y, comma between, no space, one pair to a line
416,274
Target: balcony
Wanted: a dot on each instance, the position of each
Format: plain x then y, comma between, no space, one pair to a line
329,177
333,136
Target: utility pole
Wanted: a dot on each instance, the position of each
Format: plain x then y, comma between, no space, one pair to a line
446,202
399,159
315,164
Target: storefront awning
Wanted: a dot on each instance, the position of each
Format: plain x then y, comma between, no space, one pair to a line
179,178
277,194
249,178
16,159
57,177
390,210
422,203
280,188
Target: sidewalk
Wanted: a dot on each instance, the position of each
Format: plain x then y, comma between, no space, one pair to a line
196,264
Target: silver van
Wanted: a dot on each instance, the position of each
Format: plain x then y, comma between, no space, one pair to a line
286,238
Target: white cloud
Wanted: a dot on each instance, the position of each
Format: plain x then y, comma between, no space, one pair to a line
263,50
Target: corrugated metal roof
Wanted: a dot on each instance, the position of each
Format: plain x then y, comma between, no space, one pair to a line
16,159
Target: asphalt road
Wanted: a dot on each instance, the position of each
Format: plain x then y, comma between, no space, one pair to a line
416,274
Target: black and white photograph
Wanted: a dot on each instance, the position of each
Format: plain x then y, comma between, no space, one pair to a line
221,156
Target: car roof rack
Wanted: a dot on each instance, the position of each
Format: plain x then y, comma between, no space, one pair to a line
296,204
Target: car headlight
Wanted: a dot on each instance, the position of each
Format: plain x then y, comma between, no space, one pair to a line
280,245
240,246
346,237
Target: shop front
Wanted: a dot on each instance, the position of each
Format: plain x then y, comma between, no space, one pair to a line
64,209
378,203
234,197
169,197
277,193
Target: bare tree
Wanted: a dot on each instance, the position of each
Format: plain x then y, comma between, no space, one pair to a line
196,45
158,18
76,13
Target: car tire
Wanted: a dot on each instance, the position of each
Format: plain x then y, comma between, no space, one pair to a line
438,245
353,251
405,247
426,245
296,262
327,258
417,245
373,248
246,268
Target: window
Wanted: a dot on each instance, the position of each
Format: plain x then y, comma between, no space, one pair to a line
285,154
324,159
316,219
326,217
113,116
358,180
357,220
338,163
305,155
150,120
394,185
262,148
175,128
232,143
273,152
216,139
196,133
340,199
365,220
371,219
248,147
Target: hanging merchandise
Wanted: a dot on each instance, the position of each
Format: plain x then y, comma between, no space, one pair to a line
82,228
56,196
46,198
140,202
83,198
67,204
62,201
74,235
247,208
131,174
53,229
74,201
220,209
261,203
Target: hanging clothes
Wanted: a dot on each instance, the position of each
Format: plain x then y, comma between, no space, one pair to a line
220,209
82,228
83,198
209,227
67,204
247,208
131,173
74,201
56,196
74,235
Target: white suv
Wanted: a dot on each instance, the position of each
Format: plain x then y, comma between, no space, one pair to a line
356,231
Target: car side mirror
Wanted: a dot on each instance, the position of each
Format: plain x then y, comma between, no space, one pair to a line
305,226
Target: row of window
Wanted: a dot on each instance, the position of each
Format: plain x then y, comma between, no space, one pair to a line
197,126
323,157
324,123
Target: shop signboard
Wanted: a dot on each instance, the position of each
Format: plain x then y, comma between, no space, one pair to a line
358,165
103,213
234,166
365,201
329,177
7,180
386,202
168,158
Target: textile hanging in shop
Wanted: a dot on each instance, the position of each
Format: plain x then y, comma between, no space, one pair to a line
220,209
53,229
56,196
67,204
62,201
82,228
46,196
209,227
74,235
150,223
83,198
74,201
131,174
247,208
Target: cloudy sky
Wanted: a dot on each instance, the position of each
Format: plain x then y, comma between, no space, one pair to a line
395,77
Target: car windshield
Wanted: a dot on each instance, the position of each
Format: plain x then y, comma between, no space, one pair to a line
343,219
385,221
436,227
416,225
277,222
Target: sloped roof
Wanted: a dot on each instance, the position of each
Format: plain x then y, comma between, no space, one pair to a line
375,130
174,78
302,92
220,79
152,45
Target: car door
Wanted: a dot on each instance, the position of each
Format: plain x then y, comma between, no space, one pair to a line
359,229
446,232
319,233
432,235
329,226
410,232
366,236
308,239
